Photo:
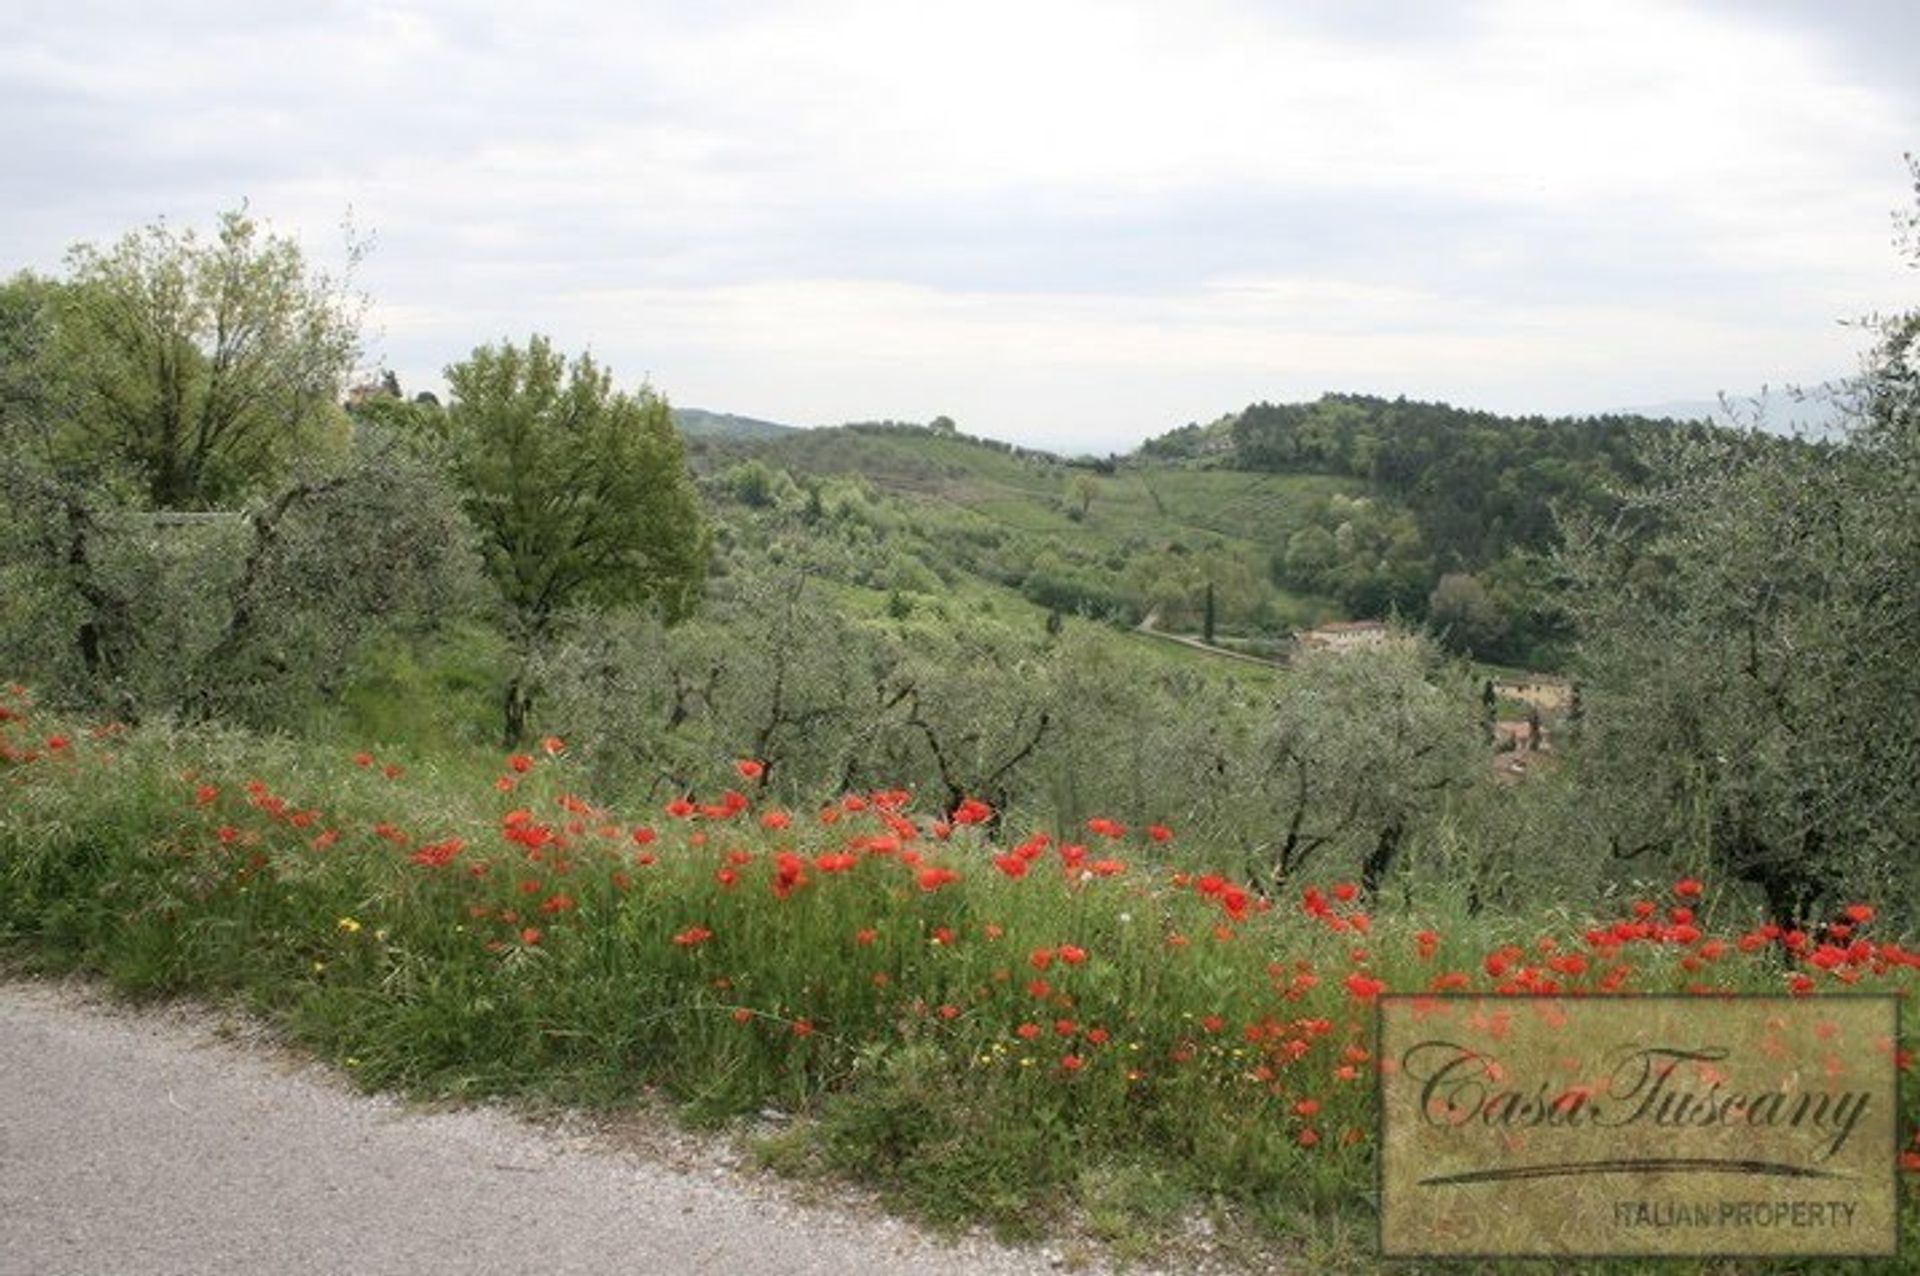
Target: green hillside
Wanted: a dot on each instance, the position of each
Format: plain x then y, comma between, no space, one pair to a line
1118,542
1349,507
697,423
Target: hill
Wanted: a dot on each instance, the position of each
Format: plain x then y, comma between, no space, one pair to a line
1349,507
698,423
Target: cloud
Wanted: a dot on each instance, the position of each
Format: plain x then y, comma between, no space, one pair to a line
1094,220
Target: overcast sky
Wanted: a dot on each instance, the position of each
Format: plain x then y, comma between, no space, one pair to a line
1072,225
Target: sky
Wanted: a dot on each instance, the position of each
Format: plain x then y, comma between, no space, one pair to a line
1070,225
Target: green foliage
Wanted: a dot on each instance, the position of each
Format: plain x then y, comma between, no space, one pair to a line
1752,629
205,367
259,615
579,492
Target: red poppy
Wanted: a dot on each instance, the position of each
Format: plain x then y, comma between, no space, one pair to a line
932,879
1364,987
554,746
693,937
749,769
521,762
1159,832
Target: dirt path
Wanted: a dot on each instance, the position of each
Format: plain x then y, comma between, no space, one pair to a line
144,1142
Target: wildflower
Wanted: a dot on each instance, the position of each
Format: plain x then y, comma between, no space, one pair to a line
743,1015
205,794
438,854
789,874
932,879
1012,865
348,924
557,903
1040,958
1688,888
865,937
803,1028
1364,987
1072,1063
750,769
972,811
693,937
554,746
1027,1031
520,763
943,937
363,759
1071,955
1159,832
775,820
727,877
530,936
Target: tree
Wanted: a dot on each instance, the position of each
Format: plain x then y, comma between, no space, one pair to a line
1084,487
1463,615
205,367
580,493
1752,631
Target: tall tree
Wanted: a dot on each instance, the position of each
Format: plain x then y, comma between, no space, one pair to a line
205,366
580,493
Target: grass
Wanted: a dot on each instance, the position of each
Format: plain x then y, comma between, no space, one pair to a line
1031,1038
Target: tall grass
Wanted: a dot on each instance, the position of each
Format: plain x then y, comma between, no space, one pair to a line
993,1030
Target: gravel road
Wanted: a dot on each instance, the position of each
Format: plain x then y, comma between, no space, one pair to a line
147,1142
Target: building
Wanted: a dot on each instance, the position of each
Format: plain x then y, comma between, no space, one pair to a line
1344,635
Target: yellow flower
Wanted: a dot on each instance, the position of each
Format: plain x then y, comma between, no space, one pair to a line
348,924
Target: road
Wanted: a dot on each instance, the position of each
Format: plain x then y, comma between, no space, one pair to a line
150,1142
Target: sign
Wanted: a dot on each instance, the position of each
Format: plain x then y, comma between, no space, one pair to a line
1644,1125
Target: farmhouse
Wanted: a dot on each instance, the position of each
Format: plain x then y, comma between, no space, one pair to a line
1345,635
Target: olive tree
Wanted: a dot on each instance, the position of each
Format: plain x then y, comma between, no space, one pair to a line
205,367
1751,631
